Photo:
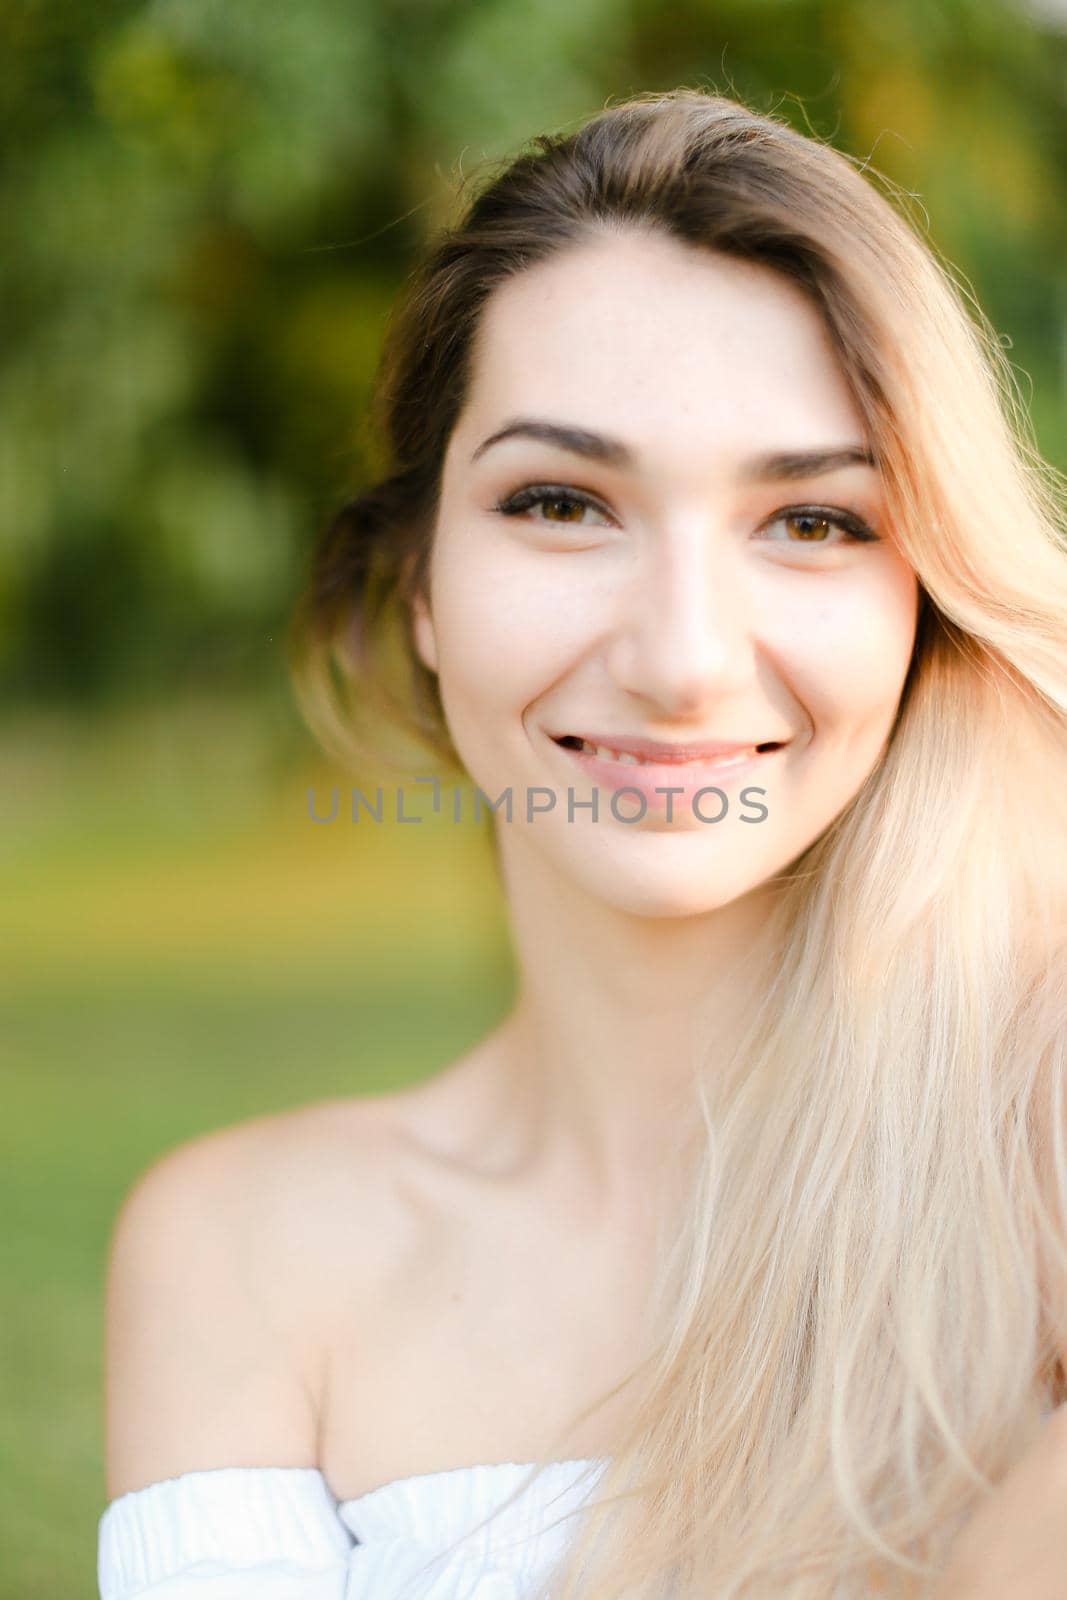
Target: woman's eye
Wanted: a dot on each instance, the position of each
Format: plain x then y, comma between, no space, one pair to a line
562,506
815,525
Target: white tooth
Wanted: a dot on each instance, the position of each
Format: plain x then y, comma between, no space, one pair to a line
607,754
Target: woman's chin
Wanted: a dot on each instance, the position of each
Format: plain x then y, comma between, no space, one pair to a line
652,889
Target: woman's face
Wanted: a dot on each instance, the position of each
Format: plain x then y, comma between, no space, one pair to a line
673,584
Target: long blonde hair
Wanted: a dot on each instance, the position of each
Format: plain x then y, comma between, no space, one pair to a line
856,1325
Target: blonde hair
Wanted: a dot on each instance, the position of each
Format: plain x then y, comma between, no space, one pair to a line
855,1328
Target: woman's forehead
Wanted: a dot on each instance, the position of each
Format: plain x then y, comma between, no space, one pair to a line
675,350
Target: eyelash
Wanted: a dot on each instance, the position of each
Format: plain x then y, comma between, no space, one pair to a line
855,528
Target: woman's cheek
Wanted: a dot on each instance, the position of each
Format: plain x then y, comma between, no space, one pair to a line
507,615
485,633
852,649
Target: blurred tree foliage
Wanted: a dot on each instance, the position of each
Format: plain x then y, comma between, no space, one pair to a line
207,205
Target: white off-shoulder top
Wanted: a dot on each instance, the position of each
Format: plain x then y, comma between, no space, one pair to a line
279,1533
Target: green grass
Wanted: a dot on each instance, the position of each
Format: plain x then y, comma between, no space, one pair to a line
177,958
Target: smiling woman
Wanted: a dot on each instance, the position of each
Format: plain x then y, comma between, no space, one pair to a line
751,1216
697,606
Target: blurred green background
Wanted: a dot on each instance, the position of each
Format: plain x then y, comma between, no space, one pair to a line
205,209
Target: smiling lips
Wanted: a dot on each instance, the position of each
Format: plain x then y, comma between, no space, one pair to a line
651,752
665,774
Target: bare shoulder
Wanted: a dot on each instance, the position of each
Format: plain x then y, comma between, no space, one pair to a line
220,1266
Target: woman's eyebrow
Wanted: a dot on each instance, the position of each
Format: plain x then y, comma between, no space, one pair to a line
771,466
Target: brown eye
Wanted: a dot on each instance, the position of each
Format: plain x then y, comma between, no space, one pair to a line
563,507
811,529
816,525
570,510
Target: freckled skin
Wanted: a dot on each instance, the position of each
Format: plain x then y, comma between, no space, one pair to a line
667,613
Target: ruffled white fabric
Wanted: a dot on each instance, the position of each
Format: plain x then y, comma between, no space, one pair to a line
279,1533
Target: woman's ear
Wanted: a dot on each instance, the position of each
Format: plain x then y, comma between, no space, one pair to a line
421,620
425,638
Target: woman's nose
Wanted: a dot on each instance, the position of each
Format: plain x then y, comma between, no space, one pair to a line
684,636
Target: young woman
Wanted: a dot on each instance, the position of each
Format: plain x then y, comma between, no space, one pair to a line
732,1263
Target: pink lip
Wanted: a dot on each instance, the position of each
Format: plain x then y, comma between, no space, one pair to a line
684,782
661,751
